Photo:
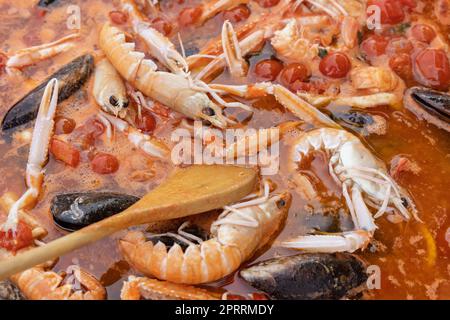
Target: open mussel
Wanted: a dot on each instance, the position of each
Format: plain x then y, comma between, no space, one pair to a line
73,211
308,276
430,105
360,121
71,77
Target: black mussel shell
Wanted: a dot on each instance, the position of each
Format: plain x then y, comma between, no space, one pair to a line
8,291
353,118
73,211
308,276
169,240
71,77
435,102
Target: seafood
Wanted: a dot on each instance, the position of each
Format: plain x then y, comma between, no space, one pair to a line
442,11
8,291
360,121
38,284
70,77
235,236
170,89
151,289
109,90
37,158
374,79
363,178
146,143
430,105
308,276
209,10
366,101
73,211
232,51
28,56
46,3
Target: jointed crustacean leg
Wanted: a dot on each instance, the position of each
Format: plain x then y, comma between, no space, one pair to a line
238,232
28,56
43,130
364,181
159,46
176,91
212,8
39,282
146,143
236,64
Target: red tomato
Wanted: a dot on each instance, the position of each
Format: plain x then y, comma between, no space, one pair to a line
391,10
22,238
189,16
268,69
401,64
64,125
410,4
237,14
374,46
399,45
267,3
65,152
258,296
235,297
146,123
292,73
118,17
162,26
335,65
104,163
423,32
432,69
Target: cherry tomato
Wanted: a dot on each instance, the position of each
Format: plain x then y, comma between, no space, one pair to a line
374,46
237,14
146,122
335,65
118,17
189,16
399,45
432,69
423,33
64,125
391,10
267,3
162,26
104,163
65,152
401,64
292,73
268,69
410,4
22,238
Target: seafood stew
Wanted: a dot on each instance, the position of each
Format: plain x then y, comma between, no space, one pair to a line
348,98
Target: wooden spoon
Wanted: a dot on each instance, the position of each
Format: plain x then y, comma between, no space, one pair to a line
188,191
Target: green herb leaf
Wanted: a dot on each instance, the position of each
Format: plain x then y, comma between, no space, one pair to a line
323,52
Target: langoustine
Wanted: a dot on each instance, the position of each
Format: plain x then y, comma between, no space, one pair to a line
235,236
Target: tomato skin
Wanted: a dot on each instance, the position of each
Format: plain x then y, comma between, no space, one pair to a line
268,69
146,123
398,45
189,16
65,152
391,10
64,125
335,65
374,46
237,14
267,3
118,17
401,64
86,134
432,69
423,33
162,26
104,163
23,238
292,73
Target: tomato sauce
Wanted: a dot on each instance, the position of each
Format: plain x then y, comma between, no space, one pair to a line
414,256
